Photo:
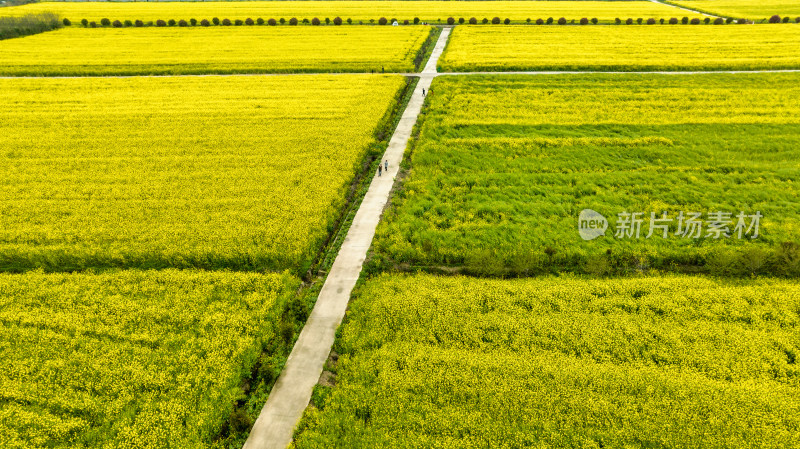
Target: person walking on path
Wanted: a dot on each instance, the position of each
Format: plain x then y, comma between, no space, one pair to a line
386,165
423,91
379,169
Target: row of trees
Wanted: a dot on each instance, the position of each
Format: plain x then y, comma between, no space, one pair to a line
416,20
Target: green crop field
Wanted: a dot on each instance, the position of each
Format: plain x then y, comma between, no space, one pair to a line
674,361
622,48
134,359
504,165
199,50
358,10
205,172
754,10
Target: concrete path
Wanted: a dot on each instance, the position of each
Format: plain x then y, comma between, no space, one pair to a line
292,392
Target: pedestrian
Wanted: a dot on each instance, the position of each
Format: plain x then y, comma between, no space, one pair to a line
386,165
423,91
379,169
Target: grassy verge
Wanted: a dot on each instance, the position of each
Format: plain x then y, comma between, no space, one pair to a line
11,27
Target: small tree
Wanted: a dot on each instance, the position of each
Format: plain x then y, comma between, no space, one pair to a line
92,24
451,21
84,22
461,21
337,20
685,20
594,20
193,22
729,20
775,19
405,22
797,20
305,21
473,21
742,21
539,22
128,23
172,22
349,21
673,21
272,22
205,23
383,21
719,21
549,21
416,20
618,21
485,21
215,21
651,21
562,21
661,21
226,22
66,22
629,21
248,21
293,21
314,21
507,21
528,20
105,22
139,23
496,21
116,24
584,21
639,20
282,21
695,21
183,23
786,19
707,20
260,21
392,21
161,23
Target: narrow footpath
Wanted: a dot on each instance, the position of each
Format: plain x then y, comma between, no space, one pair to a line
292,392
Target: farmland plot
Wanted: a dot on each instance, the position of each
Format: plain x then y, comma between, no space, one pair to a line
209,172
673,361
505,165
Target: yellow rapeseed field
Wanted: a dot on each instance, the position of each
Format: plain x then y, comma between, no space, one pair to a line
562,362
131,359
622,48
155,50
242,172
761,9
429,11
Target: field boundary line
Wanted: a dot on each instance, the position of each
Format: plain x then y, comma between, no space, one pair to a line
687,9
291,394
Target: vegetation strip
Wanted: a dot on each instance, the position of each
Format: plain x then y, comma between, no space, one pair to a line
292,392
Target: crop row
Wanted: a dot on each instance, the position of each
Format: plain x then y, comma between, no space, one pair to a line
757,11
504,166
673,361
359,11
148,51
613,48
136,358
212,172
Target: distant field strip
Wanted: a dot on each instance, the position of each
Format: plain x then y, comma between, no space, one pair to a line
200,50
211,172
677,362
749,9
428,11
504,165
622,48
134,359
